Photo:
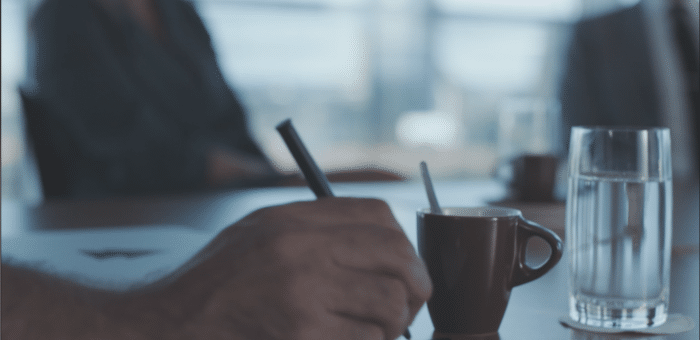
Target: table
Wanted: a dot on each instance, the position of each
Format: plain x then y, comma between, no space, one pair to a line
187,222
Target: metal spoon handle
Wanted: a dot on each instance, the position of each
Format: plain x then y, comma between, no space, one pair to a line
434,206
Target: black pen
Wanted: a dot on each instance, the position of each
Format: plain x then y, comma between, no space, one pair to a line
315,178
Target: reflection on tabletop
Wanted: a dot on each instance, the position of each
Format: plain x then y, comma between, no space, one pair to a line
187,222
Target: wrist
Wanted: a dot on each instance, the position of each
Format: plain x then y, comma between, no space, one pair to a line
40,306
191,301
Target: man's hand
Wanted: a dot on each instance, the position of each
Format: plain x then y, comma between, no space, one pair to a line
336,268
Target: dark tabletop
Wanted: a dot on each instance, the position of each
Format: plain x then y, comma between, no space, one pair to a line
532,312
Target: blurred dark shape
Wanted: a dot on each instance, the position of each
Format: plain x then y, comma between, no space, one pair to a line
688,51
638,66
442,336
534,177
47,139
609,79
125,101
611,76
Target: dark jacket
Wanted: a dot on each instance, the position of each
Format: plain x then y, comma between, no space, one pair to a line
609,79
123,112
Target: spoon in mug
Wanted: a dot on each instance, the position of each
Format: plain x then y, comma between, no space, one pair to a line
434,207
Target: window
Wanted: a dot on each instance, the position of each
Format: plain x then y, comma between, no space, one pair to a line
14,150
387,83
391,83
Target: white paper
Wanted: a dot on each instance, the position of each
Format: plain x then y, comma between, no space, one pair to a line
107,257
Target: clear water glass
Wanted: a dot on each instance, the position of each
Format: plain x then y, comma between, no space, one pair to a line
618,226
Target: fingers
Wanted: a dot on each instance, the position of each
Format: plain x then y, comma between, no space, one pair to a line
347,269
380,251
337,327
367,298
364,273
384,252
345,304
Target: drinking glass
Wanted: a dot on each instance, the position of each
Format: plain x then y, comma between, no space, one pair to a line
618,226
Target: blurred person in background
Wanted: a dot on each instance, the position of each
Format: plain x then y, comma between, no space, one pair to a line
130,95
638,66
129,99
125,97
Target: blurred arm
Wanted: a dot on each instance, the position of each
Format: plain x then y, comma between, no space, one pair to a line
137,111
39,306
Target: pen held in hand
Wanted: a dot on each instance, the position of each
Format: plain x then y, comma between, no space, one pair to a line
315,178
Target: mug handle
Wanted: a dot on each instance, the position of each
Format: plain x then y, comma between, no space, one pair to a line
527,229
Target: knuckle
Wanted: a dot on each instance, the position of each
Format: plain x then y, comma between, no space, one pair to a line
380,204
396,292
293,247
397,242
371,204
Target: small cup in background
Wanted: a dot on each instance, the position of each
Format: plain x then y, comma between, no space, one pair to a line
534,177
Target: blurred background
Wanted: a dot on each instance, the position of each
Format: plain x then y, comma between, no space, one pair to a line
462,84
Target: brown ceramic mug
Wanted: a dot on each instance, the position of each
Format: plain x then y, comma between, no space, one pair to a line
475,256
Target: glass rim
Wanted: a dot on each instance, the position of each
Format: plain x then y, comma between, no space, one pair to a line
474,212
621,128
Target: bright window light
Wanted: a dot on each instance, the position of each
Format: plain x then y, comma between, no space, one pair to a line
438,130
